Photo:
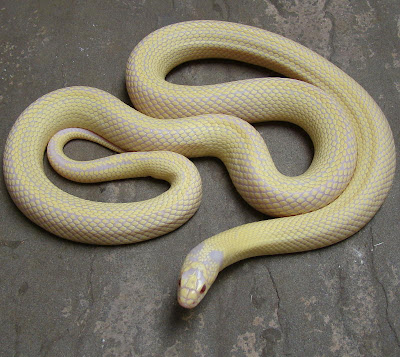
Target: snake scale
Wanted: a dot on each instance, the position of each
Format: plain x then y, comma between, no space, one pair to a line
348,180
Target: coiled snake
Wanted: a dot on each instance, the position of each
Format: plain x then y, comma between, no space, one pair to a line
350,176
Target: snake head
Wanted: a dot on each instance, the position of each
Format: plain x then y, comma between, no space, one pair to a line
199,271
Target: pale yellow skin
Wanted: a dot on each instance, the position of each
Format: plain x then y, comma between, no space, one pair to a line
349,178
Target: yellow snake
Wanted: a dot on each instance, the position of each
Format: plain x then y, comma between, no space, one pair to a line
348,180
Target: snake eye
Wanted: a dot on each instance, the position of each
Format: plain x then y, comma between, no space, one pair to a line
179,282
203,289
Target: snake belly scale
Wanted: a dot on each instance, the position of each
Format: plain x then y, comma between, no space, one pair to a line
347,182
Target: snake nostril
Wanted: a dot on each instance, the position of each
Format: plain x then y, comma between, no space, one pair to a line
179,282
203,289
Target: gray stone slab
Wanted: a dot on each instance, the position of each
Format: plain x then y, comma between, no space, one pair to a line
60,298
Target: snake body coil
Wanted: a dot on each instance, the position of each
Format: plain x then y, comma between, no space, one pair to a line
348,180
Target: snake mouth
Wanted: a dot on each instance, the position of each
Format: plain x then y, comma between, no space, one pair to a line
187,303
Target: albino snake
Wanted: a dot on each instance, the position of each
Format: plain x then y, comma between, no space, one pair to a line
350,176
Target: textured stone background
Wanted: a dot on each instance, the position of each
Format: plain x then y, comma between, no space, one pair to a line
64,299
